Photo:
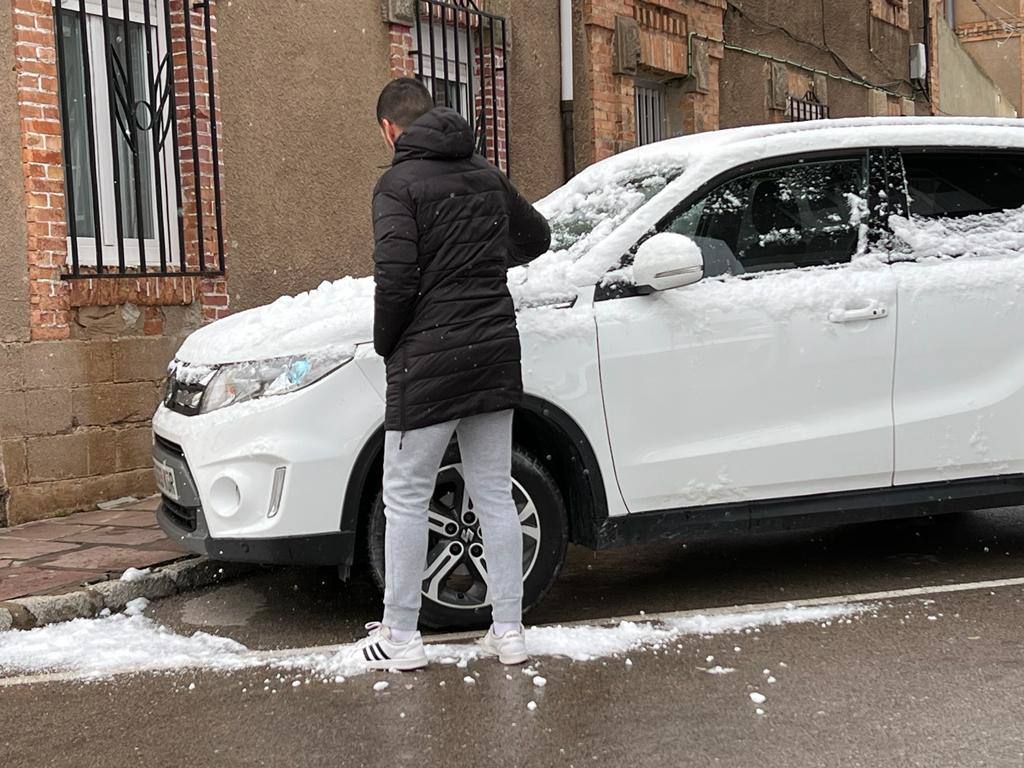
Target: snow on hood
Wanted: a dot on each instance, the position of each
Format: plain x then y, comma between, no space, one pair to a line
334,316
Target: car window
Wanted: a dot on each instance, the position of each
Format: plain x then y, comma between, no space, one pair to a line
955,184
799,215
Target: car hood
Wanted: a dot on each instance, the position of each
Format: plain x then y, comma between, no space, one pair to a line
334,317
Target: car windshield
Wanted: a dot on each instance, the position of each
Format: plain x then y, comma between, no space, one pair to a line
586,215
584,212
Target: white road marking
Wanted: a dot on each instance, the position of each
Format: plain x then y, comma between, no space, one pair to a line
258,657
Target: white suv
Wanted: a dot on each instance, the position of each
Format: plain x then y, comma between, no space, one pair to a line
771,326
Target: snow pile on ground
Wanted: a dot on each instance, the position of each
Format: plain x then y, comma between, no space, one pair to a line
131,642
95,647
334,317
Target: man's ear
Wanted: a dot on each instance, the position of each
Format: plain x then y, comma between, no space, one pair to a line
390,131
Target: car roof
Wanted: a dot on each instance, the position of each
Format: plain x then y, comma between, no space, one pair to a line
816,135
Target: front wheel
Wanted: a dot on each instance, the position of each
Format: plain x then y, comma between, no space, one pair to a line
455,573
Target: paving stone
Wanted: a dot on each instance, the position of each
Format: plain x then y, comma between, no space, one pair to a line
24,580
122,536
50,530
110,559
15,548
131,518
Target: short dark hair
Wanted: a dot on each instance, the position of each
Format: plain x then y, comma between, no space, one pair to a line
403,102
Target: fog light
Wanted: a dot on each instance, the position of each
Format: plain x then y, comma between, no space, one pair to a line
276,491
225,496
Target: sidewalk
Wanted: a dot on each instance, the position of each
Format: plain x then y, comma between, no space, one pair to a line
60,555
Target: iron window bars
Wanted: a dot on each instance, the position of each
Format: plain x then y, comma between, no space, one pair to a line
461,56
122,66
651,113
807,108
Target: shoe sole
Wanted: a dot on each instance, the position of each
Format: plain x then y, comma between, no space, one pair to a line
508,661
402,665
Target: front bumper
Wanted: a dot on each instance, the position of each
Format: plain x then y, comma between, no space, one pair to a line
335,548
265,481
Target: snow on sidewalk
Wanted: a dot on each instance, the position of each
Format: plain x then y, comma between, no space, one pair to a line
131,642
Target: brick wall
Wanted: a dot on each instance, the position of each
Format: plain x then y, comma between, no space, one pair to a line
77,398
606,120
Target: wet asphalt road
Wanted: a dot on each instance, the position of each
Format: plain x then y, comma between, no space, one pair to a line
892,688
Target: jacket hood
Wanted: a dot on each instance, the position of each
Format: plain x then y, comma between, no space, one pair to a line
440,134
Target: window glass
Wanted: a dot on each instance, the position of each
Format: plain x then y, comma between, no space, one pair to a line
76,153
954,184
133,143
801,215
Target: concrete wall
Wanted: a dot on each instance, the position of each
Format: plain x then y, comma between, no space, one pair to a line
799,31
14,315
13,268
534,96
964,89
1001,61
298,88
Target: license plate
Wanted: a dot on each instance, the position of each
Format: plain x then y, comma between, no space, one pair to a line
165,481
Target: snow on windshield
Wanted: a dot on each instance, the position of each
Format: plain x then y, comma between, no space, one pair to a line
585,211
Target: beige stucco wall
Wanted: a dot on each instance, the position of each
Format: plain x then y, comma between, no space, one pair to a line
964,89
1001,60
298,91
14,315
535,128
298,86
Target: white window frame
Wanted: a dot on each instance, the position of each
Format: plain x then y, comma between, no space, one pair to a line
444,34
107,224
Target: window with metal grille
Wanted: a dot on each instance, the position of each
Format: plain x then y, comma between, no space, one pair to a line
651,114
460,57
139,198
807,108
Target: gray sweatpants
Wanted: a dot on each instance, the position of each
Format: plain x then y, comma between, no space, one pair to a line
410,472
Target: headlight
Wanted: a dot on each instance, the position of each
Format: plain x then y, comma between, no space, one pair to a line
238,382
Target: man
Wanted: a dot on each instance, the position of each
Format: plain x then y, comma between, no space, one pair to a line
447,225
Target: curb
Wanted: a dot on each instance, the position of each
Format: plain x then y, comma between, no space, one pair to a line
90,601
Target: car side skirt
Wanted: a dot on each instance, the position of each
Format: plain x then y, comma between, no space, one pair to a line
821,510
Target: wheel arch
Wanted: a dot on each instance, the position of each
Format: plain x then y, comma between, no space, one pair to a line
542,428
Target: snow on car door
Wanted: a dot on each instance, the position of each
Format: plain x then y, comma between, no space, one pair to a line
959,388
772,376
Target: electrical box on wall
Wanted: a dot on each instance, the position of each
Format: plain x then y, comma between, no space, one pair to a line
918,61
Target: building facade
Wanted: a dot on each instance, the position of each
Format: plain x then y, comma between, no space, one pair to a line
991,32
163,163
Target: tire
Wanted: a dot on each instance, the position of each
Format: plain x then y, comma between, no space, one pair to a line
460,600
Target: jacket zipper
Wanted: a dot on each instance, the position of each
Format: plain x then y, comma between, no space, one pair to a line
401,397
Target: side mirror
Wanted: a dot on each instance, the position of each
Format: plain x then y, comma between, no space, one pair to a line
667,260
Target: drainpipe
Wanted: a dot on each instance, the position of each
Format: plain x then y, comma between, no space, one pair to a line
568,135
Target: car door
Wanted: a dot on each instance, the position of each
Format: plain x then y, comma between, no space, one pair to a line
772,376
958,398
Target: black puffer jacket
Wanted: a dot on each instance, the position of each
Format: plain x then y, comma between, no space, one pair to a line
448,225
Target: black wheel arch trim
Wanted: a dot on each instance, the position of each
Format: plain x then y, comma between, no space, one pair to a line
586,514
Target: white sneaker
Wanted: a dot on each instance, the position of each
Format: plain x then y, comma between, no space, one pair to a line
510,648
379,651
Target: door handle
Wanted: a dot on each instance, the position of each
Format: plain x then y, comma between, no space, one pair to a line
873,311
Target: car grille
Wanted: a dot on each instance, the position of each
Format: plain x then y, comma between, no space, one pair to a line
183,517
